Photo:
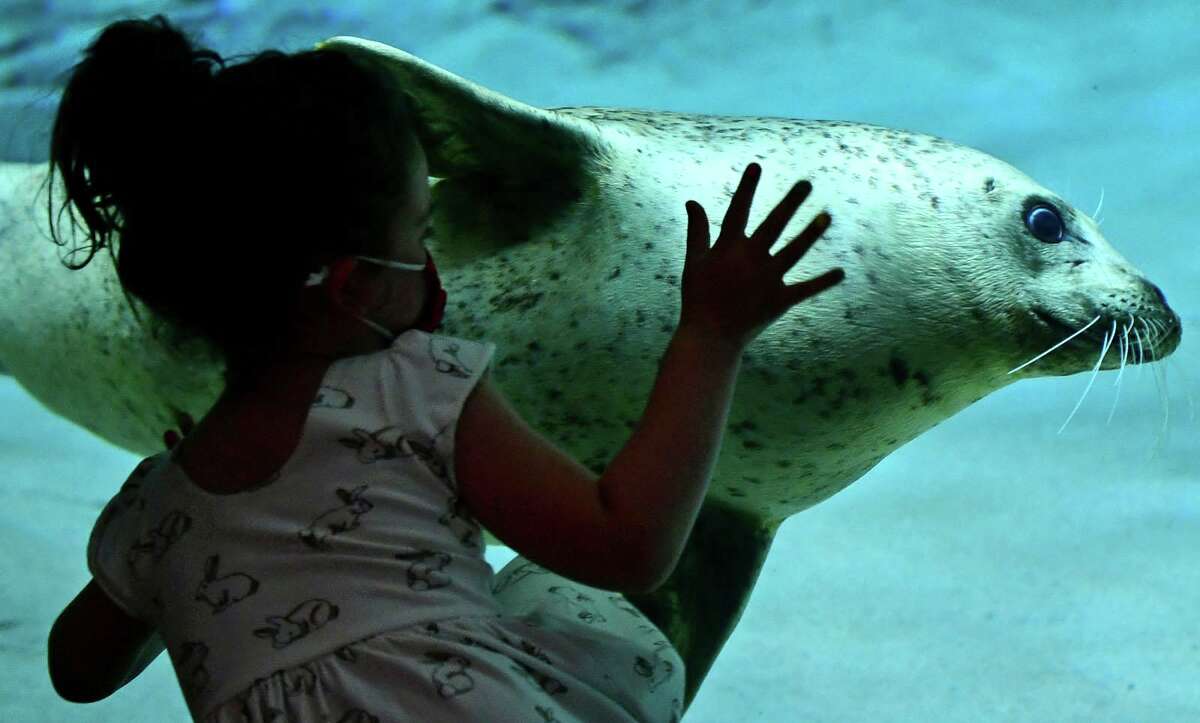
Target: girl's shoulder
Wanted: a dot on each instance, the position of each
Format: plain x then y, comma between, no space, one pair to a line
244,441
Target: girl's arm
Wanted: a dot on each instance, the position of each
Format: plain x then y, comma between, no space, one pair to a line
95,647
626,529
623,530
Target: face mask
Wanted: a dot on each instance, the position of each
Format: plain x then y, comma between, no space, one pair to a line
435,304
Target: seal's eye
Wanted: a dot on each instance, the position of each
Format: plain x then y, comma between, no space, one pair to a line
1045,223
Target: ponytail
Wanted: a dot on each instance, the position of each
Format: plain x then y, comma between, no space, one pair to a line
217,188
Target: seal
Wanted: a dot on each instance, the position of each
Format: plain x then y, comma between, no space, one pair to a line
562,235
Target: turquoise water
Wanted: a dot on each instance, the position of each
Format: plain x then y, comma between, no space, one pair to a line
993,569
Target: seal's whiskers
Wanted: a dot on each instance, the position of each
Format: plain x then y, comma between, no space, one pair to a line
1141,352
1160,382
1126,344
1096,214
1108,339
1121,371
1187,390
1064,341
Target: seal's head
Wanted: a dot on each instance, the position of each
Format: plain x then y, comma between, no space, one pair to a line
1081,289
1028,272
1076,289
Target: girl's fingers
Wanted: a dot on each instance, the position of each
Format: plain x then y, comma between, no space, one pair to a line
697,233
734,223
810,288
769,230
797,247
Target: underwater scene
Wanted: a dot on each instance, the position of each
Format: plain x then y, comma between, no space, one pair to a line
957,482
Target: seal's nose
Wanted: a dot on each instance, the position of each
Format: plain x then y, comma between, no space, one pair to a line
1172,325
1162,298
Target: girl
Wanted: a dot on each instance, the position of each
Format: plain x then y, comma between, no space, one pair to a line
312,550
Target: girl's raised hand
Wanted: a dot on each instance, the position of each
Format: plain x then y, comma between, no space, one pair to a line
734,289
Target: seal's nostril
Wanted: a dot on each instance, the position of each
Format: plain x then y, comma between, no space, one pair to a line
1157,292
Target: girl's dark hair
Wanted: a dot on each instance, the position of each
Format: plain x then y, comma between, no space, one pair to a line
223,187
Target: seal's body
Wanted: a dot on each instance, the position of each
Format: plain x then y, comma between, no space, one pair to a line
560,235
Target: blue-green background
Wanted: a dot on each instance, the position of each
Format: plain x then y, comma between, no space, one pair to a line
992,570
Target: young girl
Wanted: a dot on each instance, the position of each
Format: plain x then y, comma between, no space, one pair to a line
312,550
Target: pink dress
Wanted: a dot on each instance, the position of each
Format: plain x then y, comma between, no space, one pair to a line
352,586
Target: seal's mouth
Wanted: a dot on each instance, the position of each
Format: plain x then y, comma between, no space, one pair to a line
1156,341
1087,340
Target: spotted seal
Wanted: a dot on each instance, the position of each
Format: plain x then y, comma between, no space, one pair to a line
560,234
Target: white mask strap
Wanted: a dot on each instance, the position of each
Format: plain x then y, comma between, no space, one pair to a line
393,264
317,278
389,335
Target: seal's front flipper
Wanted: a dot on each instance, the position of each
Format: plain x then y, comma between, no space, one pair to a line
467,129
700,604
506,170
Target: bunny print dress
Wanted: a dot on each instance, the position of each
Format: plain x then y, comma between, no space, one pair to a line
351,587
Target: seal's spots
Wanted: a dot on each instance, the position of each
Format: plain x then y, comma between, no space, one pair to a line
899,370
